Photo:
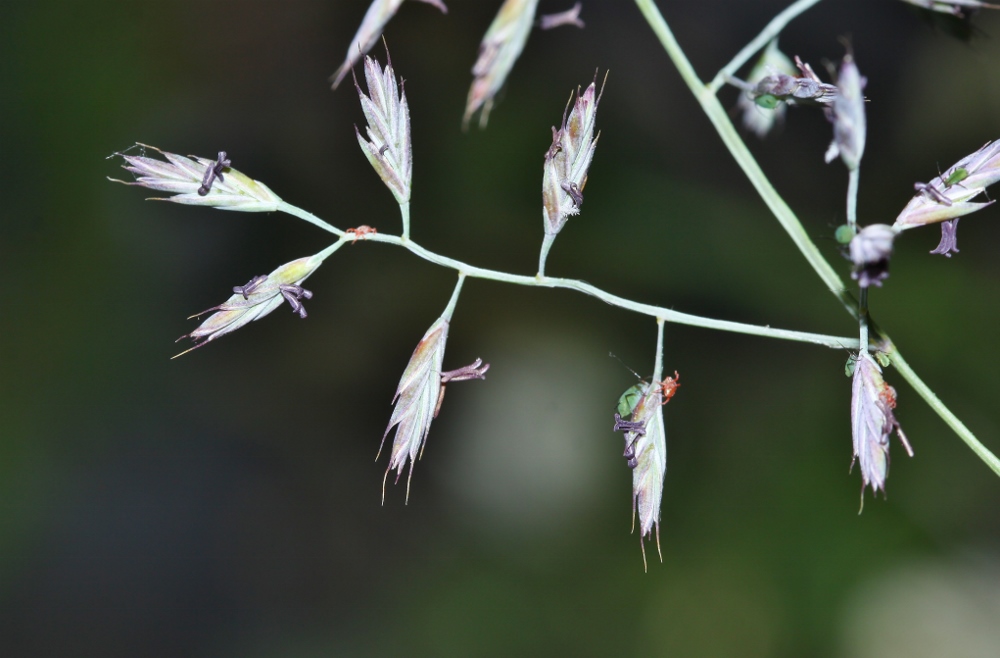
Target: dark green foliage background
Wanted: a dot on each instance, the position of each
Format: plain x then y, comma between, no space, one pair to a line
227,504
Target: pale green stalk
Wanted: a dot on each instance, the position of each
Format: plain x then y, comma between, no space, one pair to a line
454,297
852,221
309,217
544,254
838,342
404,210
863,319
719,117
772,30
852,198
658,364
946,415
705,95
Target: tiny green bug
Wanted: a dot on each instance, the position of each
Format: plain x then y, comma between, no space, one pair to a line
956,176
630,399
845,233
767,101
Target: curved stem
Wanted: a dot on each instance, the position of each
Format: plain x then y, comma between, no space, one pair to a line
946,415
838,342
769,32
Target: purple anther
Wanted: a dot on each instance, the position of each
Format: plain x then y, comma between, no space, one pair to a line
293,294
931,192
251,285
639,427
574,193
212,172
949,239
475,370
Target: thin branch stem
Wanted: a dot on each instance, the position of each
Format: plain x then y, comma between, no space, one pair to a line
309,217
658,364
863,320
713,109
544,253
404,210
852,199
326,253
454,297
949,418
837,342
772,30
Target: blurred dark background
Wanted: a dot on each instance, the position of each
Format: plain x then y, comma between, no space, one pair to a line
227,503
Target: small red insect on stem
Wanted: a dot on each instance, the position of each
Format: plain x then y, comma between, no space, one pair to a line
668,387
361,232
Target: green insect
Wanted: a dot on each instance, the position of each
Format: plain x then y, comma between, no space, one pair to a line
956,176
845,233
767,101
630,399
883,359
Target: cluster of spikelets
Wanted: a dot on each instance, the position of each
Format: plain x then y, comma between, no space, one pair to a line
773,84
387,146
499,50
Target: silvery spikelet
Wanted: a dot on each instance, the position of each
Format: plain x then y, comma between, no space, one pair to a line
757,118
388,145
501,46
848,113
419,396
948,196
567,162
374,22
256,299
416,399
199,182
869,251
651,467
872,422
954,7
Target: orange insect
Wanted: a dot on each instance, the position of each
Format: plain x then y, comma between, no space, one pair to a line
361,232
669,386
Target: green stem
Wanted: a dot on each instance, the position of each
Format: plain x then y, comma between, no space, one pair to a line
658,364
450,308
863,320
772,30
326,253
852,199
544,253
309,217
404,210
951,419
837,342
720,120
